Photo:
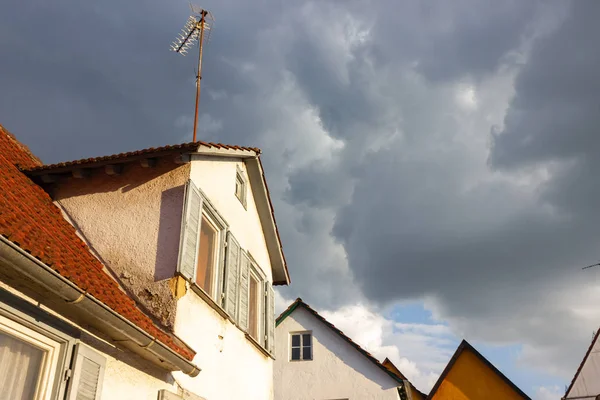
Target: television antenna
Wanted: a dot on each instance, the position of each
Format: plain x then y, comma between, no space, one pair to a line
193,31
592,266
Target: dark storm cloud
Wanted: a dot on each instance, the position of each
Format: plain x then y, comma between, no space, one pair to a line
555,113
384,209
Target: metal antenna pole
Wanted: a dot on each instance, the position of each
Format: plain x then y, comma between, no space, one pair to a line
193,31
199,76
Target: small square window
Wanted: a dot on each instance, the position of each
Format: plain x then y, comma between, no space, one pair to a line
240,187
301,347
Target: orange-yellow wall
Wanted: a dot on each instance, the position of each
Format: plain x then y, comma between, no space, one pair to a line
471,379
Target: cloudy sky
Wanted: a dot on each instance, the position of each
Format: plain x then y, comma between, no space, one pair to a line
431,162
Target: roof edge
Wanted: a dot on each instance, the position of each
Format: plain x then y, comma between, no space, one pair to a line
266,212
585,357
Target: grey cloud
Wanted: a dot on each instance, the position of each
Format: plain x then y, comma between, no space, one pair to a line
554,115
399,210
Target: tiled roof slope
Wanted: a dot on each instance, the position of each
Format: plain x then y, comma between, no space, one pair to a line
29,218
185,147
299,303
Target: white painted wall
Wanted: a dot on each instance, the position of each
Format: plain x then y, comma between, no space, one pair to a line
588,380
232,367
337,370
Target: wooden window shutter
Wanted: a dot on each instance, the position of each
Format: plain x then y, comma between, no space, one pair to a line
270,318
190,230
244,291
88,373
231,289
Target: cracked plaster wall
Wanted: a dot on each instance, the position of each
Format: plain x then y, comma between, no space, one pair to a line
132,223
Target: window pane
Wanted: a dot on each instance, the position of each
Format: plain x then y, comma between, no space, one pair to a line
296,340
306,353
238,188
306,339
253,308
206,256
296,353
20,365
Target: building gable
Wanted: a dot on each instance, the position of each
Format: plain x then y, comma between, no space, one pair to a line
470,376
586,382
298,303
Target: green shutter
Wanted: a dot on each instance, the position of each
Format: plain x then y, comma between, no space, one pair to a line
270,318
190,232
231,289
244,291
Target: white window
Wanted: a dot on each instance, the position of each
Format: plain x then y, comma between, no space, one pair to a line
40,362
241,186
301,346
28,361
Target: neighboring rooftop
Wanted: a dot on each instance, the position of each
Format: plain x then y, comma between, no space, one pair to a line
299,303
465,346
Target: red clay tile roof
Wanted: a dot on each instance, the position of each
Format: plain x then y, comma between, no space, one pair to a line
185,147
29,218
299,303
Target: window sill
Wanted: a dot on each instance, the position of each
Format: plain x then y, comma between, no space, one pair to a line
210,301
258,346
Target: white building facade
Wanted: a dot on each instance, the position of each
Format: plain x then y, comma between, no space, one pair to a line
157,282
315,361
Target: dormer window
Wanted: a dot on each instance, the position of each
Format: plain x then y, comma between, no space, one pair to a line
240,186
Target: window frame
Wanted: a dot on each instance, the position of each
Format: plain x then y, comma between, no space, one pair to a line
19,314
312,343
210,212
241,178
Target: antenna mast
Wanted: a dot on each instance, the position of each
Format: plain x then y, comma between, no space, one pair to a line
201,20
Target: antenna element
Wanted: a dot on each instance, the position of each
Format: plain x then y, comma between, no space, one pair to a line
193,31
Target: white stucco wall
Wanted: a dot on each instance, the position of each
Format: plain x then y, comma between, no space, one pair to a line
132,221
232,367
588,380
337,370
